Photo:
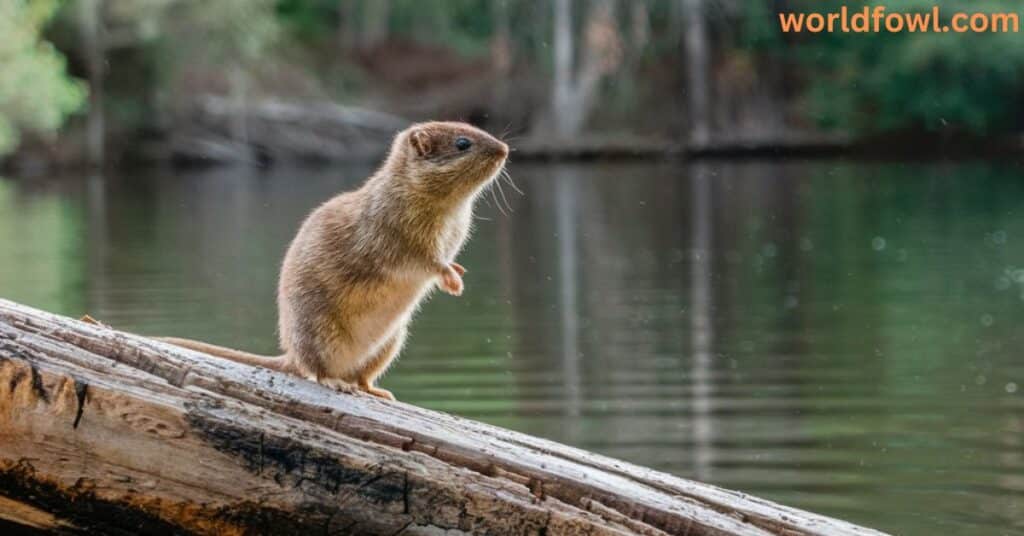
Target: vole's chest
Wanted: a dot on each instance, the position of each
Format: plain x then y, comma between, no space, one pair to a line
453,235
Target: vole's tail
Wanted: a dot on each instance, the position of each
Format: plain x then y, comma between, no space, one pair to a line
238,356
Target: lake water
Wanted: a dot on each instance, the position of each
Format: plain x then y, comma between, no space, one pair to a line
844,337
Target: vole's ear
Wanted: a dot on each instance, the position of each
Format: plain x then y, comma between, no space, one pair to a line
421,142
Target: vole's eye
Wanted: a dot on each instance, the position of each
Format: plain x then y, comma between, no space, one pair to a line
463,143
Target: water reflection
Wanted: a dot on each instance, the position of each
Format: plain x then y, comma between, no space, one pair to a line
567,187
702,328
837,336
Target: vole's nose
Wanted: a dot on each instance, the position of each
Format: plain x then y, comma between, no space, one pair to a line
502,149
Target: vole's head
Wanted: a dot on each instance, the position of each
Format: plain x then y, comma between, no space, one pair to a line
448,160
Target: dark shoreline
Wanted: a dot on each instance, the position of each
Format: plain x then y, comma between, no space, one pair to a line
590,149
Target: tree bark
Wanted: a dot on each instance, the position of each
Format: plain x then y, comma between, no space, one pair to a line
109,432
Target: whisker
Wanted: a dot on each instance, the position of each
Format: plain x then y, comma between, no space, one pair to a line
503,198
495,197
512,183
485,196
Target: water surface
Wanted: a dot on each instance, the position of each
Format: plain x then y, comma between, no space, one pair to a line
843,337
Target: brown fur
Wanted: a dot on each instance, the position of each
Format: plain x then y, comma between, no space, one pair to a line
363,261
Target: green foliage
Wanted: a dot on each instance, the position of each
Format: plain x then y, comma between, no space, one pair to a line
188,31
760,26
235,30
309,18
887,82
36,94
465,25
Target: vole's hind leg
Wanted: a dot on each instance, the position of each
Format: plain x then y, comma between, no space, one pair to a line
306,359
379,363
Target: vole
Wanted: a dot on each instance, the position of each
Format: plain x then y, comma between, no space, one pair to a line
363,261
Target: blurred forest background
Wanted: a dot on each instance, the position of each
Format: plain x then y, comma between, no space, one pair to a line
116,81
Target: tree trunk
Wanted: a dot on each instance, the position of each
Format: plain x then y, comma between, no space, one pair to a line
575,88
109,432
91,24
501,43
376,16
640,28
697,65
238,78
348,25
563,78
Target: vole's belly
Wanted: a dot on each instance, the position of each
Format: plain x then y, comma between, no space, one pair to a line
371,317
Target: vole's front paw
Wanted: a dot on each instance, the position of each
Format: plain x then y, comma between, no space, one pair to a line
451,279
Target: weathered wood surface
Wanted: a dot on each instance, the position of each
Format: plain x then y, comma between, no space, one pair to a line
109,432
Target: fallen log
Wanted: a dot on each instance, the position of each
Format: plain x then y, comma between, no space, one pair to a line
108,432
210,129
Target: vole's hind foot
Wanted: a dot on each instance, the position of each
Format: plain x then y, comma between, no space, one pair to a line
378,392
451,279
90,320
339,385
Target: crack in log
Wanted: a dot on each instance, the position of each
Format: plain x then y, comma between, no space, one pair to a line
547,522
536,486
402,529
14,349
80,507
405,493
81,391
20,518
16,378
259,470
637,524
35,380
363,485
347,529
